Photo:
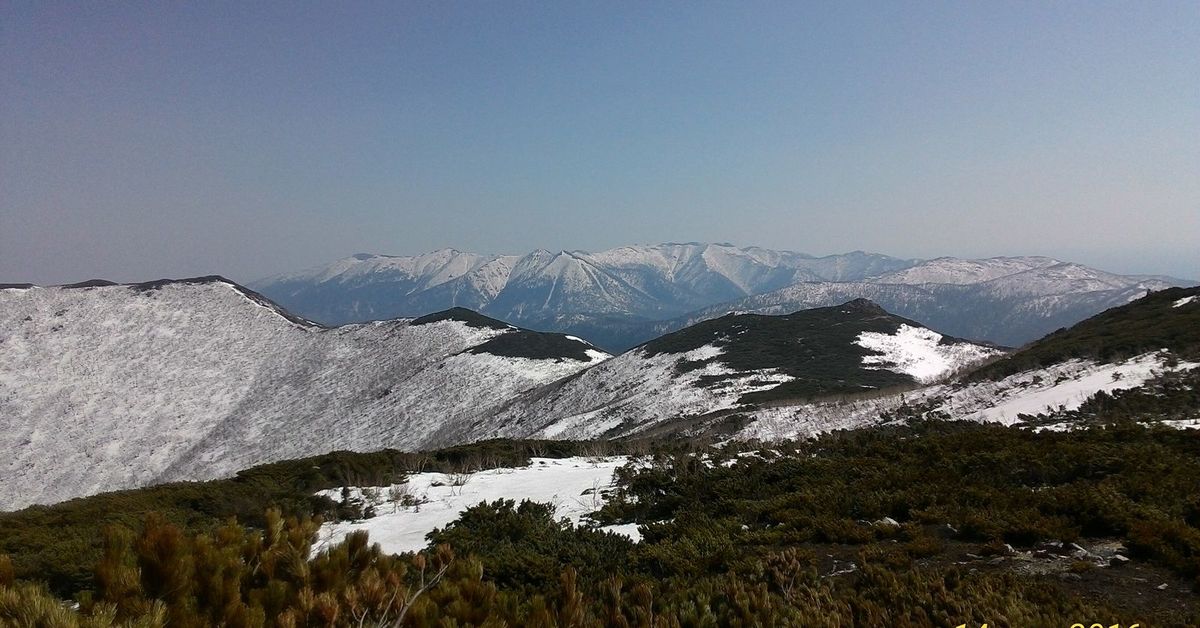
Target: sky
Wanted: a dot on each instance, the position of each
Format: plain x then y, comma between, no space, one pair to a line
169,139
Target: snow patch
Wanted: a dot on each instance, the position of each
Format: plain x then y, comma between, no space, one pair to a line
1065,387
918,352
576,487
1184,301
595,355
707,352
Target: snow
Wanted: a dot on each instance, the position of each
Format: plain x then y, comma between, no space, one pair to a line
648,281
1184,301
596,355
108,388
707,352
576,487
919,353
1063,391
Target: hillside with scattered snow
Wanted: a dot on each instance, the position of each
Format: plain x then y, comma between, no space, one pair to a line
736,361
106,386
114,386
1123,348
1058,388
854,365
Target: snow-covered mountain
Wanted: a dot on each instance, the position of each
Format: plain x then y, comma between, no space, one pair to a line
639,282
107,386
366,287
735,362
625,296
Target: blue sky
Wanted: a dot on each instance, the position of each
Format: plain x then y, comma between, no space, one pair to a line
160,139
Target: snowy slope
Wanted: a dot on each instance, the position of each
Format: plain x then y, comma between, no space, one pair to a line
757,367
1059,387
119,386
737,360
631,392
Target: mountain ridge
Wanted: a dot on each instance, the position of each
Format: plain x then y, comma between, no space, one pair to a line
734,362
653,281
116,386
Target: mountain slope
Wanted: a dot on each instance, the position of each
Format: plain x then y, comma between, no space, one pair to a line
737,360
366,287
1145,350
115,386
1168,319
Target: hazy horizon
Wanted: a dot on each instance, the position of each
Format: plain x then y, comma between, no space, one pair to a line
143,140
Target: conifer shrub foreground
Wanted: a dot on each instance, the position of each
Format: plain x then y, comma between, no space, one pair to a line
242,577
865,528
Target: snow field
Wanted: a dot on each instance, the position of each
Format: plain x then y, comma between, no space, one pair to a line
917,352
576,487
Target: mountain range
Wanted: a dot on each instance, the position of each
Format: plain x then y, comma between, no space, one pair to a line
622,297
106,386
641,282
